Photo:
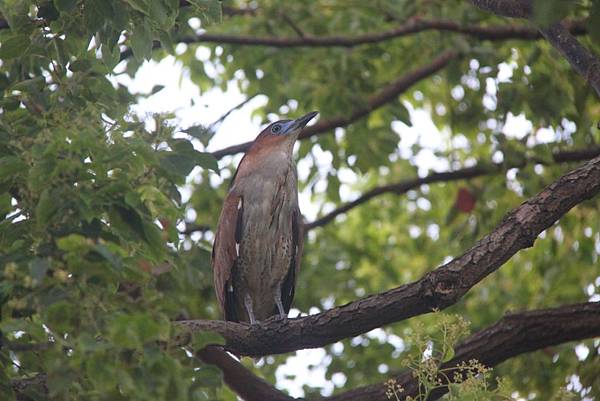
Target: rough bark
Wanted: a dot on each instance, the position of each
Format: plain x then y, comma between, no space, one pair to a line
513,335
438,289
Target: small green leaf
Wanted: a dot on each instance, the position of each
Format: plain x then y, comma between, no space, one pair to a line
156,89
546,12
402,114
38,268
210,10
207,160
46,208
141,41
111,57
593,22
96,13
14,46
73,243
103,251
65,5
9,166
80,65
139,5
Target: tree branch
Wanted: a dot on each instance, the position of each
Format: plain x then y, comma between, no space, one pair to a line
410,27
581,59
385,95
241,380
513,335
234,108
447,176
438,289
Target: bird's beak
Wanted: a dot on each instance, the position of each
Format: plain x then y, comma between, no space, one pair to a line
300,123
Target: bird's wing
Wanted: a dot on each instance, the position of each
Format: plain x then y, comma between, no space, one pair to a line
289,284
225,252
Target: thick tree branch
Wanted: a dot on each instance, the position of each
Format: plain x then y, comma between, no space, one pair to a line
385,95
438,289
586,63
513,335
241,380
447,176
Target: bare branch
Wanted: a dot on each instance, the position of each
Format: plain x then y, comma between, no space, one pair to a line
438,289
412,26
234,108
385,95
404,186
586,63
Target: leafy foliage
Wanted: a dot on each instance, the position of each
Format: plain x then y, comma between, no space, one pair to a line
94,267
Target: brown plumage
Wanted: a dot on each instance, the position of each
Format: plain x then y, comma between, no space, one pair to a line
258,242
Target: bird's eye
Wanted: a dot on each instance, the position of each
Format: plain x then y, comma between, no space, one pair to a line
276,128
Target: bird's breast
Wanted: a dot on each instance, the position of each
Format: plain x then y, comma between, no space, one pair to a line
265,250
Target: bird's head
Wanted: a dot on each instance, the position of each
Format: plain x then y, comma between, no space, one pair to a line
283,132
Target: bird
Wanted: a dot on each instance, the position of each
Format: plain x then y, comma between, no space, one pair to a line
259,238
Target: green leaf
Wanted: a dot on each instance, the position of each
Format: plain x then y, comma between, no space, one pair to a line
38,268
156,89
402,114
113,259
80,65
46,207
593,22
61,316
65,5
111,57
546,12
208,161
73,243
141,41
10,166
14,46
139,5
96,13
210,10
197,131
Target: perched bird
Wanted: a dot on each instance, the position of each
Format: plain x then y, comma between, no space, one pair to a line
258,242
